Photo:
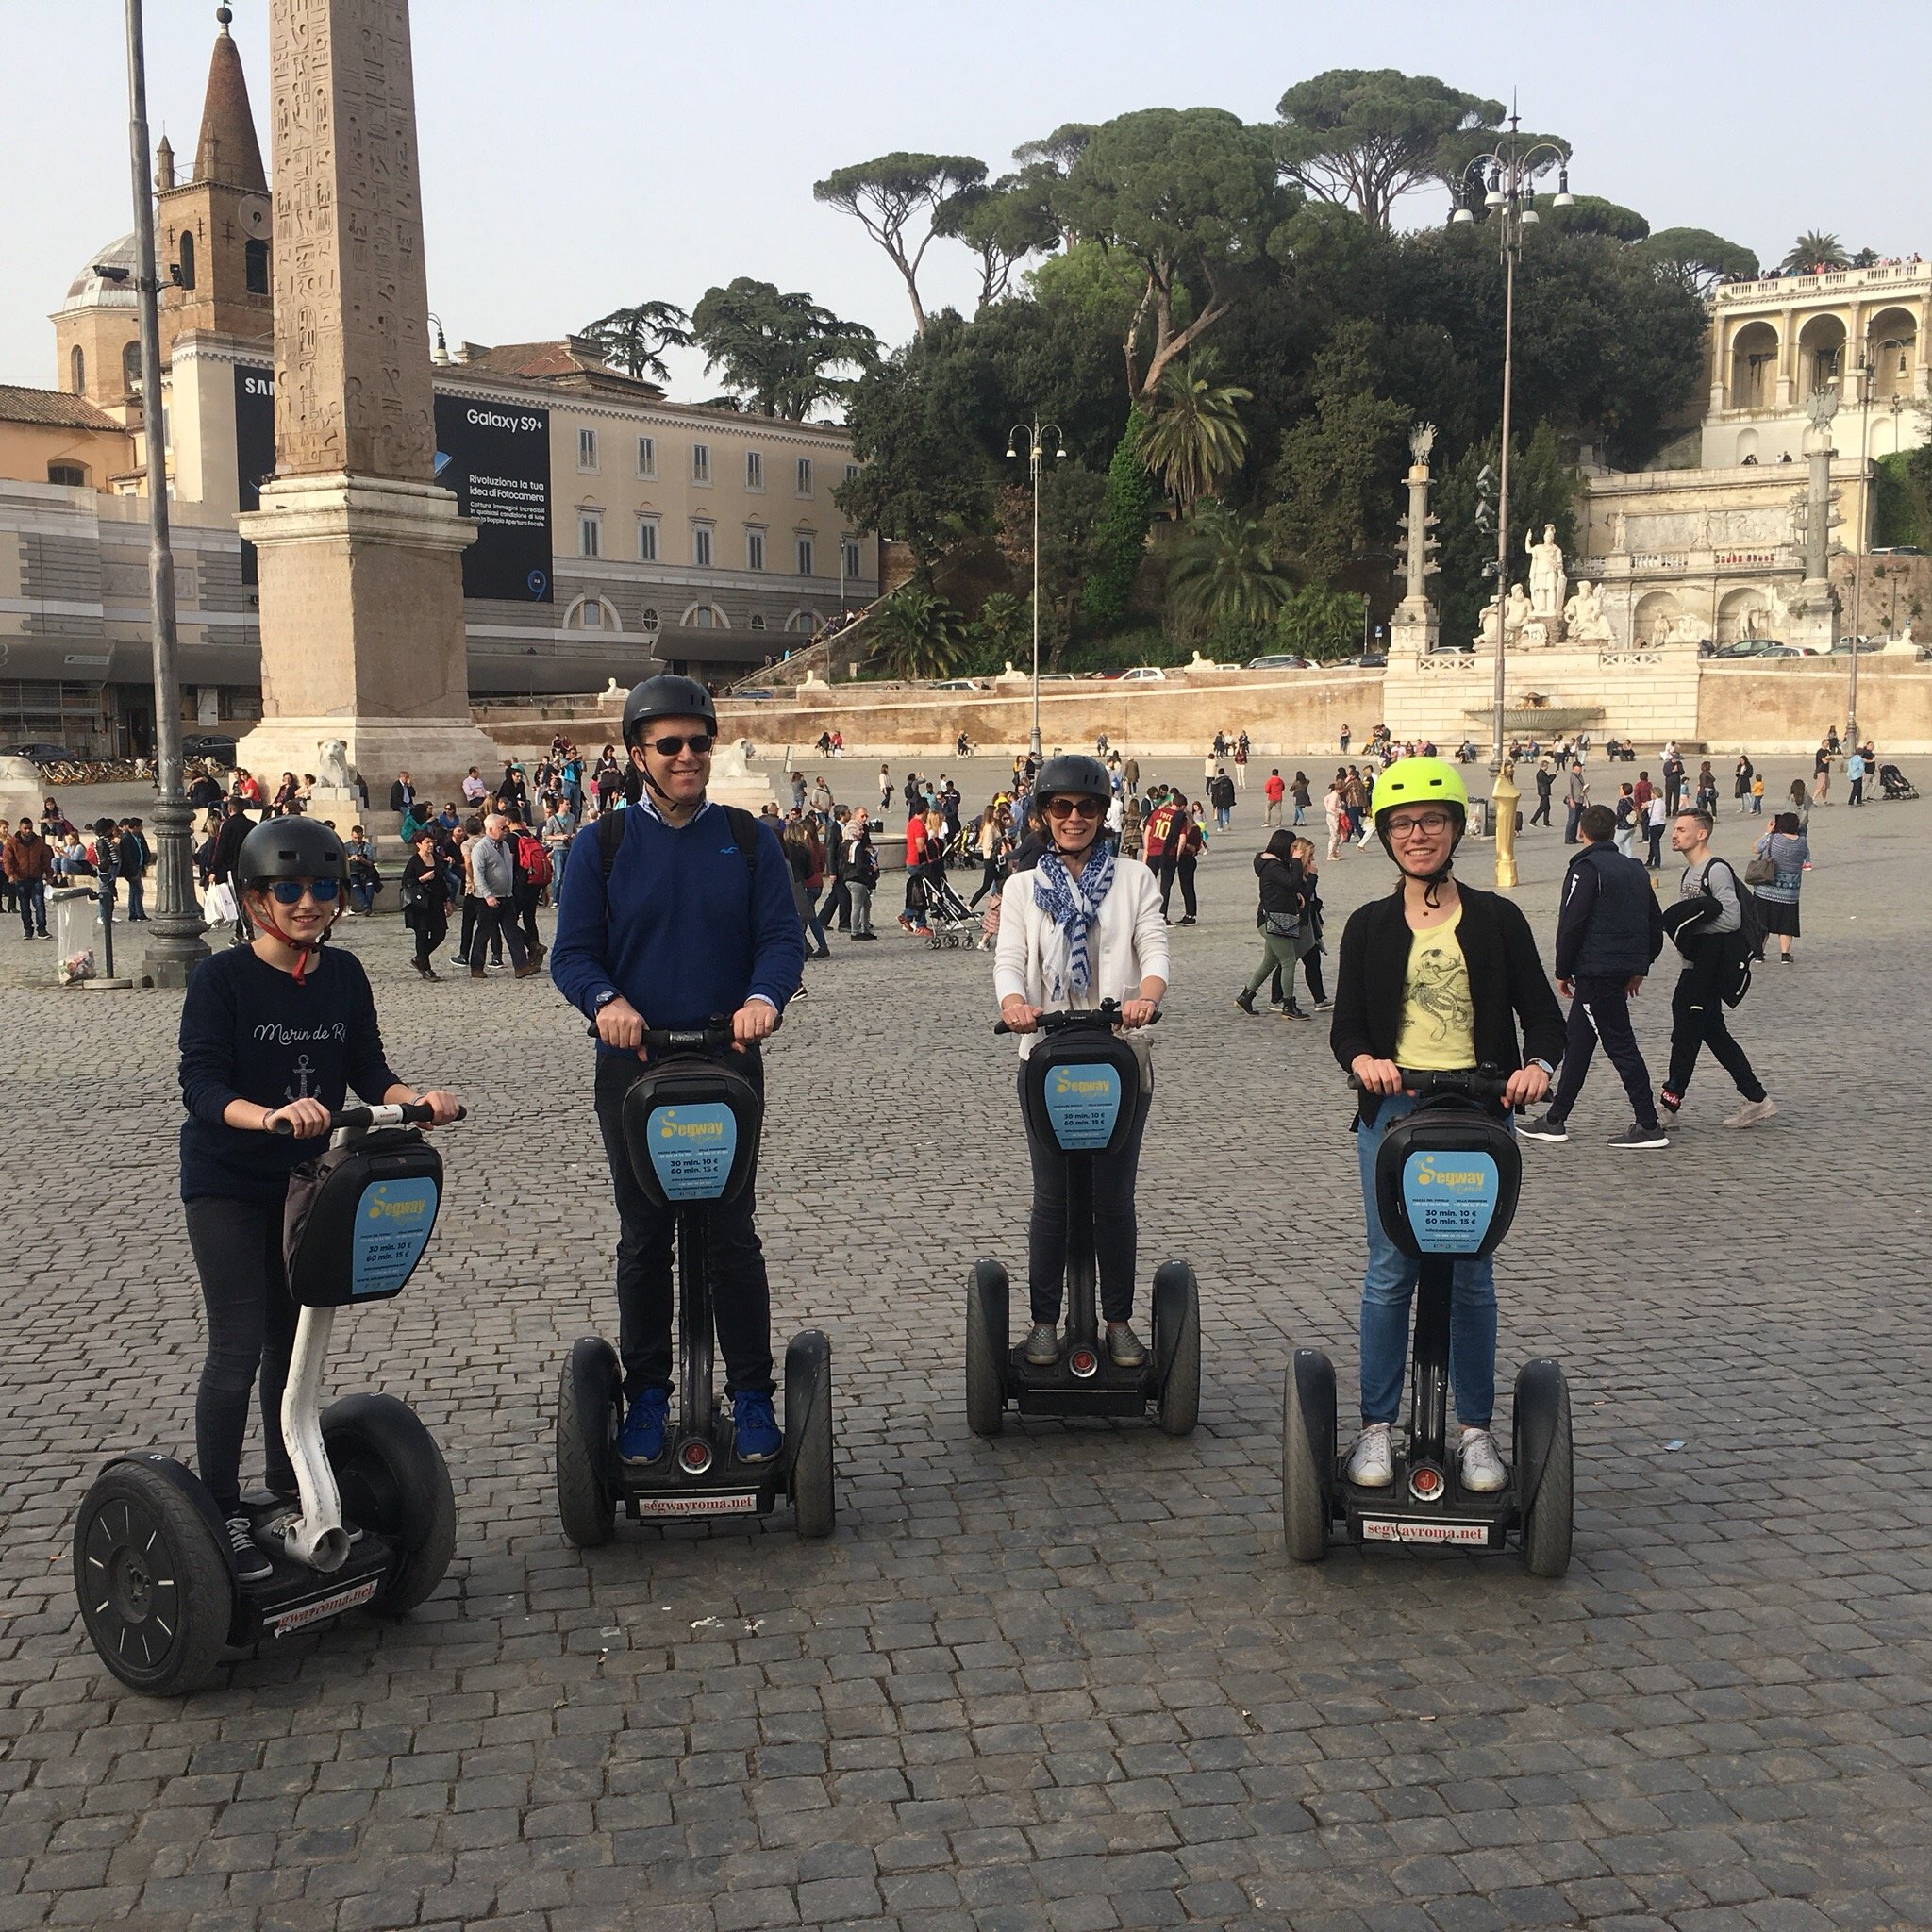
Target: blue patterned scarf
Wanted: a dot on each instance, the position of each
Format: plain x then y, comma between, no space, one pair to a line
1074,906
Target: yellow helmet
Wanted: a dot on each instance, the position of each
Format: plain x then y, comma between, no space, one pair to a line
1419,781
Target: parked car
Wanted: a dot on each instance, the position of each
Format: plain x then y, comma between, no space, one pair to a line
1748,647
754,694
217,745
1368,661
1279,660
956,684
40,752
1866,646
1144,674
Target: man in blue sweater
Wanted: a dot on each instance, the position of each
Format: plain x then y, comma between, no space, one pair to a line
686,913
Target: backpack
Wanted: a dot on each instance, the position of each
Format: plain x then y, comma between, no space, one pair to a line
534,861
745,835
1743,946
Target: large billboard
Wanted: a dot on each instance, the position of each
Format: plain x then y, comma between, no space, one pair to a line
254,445
497,457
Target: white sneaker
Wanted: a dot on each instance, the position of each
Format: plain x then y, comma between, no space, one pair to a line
1478,1463
1752,1112
1372,1462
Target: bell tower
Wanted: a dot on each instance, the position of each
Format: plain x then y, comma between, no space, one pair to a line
214,230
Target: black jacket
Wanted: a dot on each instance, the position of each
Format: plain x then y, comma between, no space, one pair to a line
1506,984
401,796
1283,884
228,843
1610,926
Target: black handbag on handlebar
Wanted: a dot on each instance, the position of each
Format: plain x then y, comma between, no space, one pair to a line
358,1217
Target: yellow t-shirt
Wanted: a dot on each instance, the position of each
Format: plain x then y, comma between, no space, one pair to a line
1437,1015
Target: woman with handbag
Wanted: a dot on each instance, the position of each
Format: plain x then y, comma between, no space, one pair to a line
1282,919
425,899
1776,874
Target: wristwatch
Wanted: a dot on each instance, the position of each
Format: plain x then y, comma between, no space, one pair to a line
1549,1072
605,998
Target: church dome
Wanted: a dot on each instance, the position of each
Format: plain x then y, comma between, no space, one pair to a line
92,290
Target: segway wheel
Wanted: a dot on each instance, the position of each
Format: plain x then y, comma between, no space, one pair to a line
394,1481
808,1432
157,1594
1543,1456
1178,1346
1308,1454
589,1393
987,1344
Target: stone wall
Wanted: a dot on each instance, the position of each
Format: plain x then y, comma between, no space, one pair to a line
1786,704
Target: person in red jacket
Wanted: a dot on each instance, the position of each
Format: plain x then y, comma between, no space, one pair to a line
913,919
1274,791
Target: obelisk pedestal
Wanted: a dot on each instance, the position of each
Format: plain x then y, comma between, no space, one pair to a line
361,554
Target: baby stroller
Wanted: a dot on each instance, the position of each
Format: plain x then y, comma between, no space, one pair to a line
1893,783
948,922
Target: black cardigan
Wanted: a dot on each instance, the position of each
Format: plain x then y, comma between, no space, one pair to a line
1506,984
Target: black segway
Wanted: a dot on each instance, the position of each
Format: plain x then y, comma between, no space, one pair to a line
692,1126
1446,1183
1082,1082
374,1526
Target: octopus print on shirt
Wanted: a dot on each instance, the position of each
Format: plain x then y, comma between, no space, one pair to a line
1438,1016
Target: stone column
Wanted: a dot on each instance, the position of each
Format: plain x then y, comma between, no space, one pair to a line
360,552
1813,606
1414,626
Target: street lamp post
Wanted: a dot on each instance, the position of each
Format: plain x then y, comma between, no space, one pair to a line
1033,435
1510,168
176,947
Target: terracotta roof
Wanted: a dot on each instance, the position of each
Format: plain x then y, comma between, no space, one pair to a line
227,151
55,408
568,364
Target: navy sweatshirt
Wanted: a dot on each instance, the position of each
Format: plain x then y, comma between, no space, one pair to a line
682,928
248,1032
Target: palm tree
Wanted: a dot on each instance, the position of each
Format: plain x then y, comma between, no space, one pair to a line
1223,569
1194,441
915,633
1812,250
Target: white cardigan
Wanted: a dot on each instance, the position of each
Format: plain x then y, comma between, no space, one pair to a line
1128,944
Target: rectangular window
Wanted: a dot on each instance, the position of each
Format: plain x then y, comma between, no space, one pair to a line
647,456
753,550
647,539
754,470
700,463
701,545
855,563
805,476
804,556
587,449
589,536
851,471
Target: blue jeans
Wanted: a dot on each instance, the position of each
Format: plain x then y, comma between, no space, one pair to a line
1387,1288
31,897
1222,815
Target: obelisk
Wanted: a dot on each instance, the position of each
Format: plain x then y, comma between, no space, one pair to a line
360,553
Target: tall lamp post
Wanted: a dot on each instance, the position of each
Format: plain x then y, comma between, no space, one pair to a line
1033,435
176,947
1510,168
1867,373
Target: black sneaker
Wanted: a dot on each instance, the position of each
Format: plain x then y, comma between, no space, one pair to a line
250,1560
1547,1129
1635,1137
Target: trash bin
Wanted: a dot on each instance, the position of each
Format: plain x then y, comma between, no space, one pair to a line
76,934
1478,826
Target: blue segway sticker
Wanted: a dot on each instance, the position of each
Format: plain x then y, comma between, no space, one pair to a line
393,1223
693,1149
1450,1199
1082,1104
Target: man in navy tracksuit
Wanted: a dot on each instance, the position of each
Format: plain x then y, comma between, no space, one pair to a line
1609,933
686,915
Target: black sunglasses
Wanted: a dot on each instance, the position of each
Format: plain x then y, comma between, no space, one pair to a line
700,741
289,891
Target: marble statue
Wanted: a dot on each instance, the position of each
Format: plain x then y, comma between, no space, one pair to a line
1548,580
1583,617
1518,610
1488,622
1421,440
332,764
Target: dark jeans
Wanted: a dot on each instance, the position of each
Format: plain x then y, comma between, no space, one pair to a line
740,1294
526,913
1184,871
31,896
1857,796
990,879
1656,835
251,1330
432,929
1540,816
1600,1009
1164,873
1114,1232
1572,811
1697,1020
485,927
836,904
137,899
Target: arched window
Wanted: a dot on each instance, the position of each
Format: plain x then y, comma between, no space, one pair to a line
1754,367
76,367
591,613
705,617
186,278
130,368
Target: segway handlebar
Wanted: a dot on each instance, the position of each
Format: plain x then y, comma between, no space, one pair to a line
360,1120
714,1036
1479,1083
1108,1014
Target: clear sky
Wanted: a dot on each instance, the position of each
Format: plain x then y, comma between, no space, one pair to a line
578,155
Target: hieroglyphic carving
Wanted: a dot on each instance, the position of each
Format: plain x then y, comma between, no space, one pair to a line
352,372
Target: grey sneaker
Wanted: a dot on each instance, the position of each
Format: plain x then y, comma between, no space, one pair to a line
1479,1464
1547,1129
1635,1137
1125,1349
1752,1112
1042,1347
250,1560
1372,1462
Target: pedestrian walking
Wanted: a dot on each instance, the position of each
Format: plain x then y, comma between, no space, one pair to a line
1820,772
493,888
1280,918
1274,791
1855,776
1575,796
861,876
1609,932
1656,822
29,861
1221,796
426,900
1778,875
1545,791
1240,763
1163,845
1624,814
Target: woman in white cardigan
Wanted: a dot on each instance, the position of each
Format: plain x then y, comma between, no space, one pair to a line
1084,926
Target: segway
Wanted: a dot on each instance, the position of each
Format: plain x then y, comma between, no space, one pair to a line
1446,1183
691,1127
1081,1084
374,1525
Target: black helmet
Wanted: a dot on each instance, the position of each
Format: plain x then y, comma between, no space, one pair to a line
291,848
667,696
1073,773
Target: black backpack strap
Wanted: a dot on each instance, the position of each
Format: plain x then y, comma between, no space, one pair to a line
745,835
611,830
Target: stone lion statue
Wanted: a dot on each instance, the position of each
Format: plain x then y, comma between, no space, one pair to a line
332,766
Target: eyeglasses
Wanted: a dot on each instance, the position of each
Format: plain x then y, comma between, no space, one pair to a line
1431,825
700,741
289,891
1073,807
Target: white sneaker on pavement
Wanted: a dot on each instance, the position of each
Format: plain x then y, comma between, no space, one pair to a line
1752,1112
1372,1462
1479,1464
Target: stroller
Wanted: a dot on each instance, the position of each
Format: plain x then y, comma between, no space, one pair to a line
1893,783
947,920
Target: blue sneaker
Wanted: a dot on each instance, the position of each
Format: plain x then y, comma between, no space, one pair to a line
642,1439
755,1429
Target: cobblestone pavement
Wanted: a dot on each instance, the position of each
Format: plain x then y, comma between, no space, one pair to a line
1065,1679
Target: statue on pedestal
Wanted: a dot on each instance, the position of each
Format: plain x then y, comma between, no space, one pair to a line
1584,620
1547,582
1518,610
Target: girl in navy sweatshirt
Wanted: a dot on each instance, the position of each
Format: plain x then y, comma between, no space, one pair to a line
277,1030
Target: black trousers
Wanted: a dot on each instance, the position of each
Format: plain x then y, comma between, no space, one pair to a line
1697,1020
836,902
467,937
1311,970
432,929
251,1333
1115,1236
527,914
1600,1010
1164,867
1540,816
1184,871
740,1292
498,923
1656,835
989,879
